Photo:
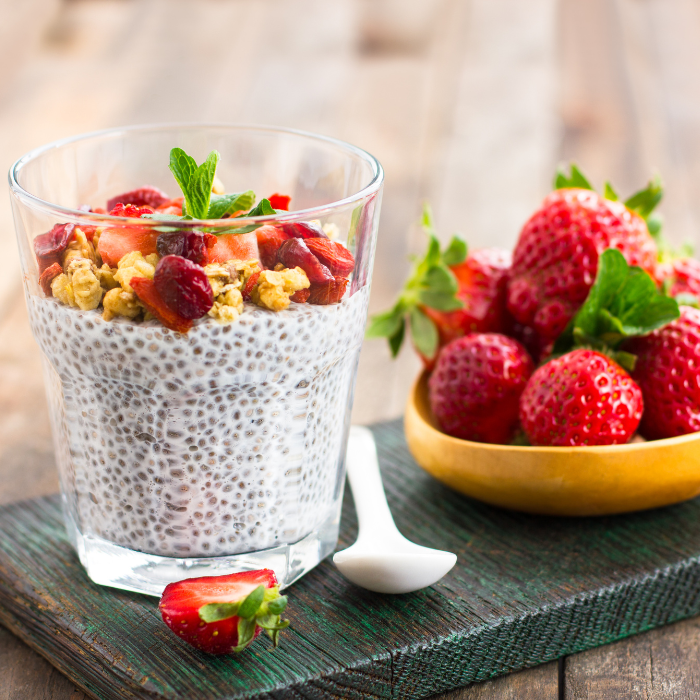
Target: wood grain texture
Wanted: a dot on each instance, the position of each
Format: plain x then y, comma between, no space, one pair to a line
659,665
526,590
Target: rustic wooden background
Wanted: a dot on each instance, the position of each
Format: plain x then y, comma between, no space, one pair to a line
467,103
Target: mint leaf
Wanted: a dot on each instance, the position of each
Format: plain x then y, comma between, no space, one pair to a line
424,333
222,204
262,208
455,253
645,201
183,167
213,612
609,193
576,179
195,182
623,302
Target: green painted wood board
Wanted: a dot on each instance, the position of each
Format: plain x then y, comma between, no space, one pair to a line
525,590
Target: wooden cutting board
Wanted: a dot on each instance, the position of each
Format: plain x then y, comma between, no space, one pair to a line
525,590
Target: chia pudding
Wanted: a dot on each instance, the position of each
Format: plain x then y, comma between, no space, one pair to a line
222,441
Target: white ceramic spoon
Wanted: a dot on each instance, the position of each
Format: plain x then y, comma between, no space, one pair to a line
382,559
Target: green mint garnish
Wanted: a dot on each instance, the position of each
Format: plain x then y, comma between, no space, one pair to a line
195,182
431,284
622,303
262,208
222,204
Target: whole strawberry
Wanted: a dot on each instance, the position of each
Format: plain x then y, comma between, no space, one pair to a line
581,398
668,372
476,386
482,280
681,278
556,258
224,614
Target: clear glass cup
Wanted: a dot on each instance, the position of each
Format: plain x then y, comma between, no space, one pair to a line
222,449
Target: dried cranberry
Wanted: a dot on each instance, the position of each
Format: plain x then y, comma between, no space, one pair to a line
192,245
143,196
53,242
270,238
303,229
130,210
183,286
335,256
148,294
329,292
248,289
295,253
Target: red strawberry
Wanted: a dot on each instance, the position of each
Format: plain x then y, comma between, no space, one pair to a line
668,372
335,256
130,210
581,398
328,292
224,614
270,238
556,257
172,206
233,246
476,386
482,279
147,293
143,196
116,241
681,276
279,201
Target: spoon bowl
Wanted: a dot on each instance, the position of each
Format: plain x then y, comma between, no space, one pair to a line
382,559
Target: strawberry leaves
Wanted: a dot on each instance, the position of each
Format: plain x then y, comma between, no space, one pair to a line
431,284
575,179
262,607
622,303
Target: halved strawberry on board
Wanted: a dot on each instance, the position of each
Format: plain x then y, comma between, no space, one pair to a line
224,614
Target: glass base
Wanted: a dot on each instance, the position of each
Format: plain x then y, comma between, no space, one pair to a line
108,564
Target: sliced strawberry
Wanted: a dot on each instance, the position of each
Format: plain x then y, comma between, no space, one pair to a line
143,196
247,290
47,276
234,246
49,246
224,614
279,201
130,210
329,292
301,296
335,256
89,232
116,241
146,291
270,238
295,253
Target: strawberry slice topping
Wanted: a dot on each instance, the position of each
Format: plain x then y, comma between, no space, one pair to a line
335,256
143,196
130,210
224,614
279,201
149,296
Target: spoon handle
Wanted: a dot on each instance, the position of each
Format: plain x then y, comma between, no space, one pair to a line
373,512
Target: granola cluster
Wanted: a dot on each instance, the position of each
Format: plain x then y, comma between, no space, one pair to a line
83,281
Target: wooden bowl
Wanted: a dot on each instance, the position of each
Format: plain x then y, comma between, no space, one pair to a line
572,481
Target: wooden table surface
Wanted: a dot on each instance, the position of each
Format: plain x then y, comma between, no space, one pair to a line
467,103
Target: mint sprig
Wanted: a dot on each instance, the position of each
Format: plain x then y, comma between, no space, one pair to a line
222,204
195,181
431,284
622,303
262,607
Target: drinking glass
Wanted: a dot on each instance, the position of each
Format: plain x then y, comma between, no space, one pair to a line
222,449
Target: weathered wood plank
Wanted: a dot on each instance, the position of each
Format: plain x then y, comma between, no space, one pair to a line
659,665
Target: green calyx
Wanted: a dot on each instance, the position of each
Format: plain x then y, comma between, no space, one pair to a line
643,202
431,284
622,303
260,608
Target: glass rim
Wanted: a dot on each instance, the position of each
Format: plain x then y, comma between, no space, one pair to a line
96,219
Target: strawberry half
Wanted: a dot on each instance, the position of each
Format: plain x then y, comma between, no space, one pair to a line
224,614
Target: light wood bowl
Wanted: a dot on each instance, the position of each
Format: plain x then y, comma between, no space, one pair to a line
570,481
